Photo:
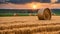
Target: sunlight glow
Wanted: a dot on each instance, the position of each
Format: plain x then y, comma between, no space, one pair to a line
34,6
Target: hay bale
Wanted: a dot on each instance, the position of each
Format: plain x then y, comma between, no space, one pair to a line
44,14
15,14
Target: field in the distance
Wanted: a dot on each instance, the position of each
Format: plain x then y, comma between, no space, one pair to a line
29,25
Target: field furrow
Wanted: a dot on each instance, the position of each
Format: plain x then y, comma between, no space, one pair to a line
27,25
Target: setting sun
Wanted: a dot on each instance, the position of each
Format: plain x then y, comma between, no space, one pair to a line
34,6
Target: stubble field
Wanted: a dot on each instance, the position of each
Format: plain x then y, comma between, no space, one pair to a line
29,25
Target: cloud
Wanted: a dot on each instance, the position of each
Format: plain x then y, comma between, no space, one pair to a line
28,5
25,1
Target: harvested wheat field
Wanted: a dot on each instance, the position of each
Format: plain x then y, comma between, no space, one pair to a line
29,25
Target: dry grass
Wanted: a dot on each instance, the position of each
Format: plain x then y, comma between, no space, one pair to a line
29,25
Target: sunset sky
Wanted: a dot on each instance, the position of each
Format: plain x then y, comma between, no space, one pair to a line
22,4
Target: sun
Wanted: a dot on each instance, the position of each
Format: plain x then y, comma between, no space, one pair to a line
34,6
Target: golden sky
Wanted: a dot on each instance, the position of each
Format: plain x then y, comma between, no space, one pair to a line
28,5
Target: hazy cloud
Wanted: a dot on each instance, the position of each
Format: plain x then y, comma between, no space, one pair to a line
26,1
